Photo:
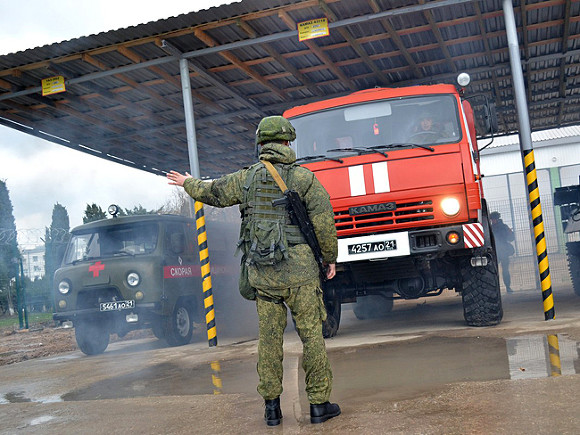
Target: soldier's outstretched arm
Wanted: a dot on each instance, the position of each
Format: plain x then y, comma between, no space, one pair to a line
223,192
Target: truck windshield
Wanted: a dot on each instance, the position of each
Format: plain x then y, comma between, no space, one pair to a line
412,121
117,240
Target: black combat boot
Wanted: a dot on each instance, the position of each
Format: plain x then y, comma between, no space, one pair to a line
273,413
324,411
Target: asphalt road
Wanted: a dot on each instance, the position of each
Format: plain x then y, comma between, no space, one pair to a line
418,371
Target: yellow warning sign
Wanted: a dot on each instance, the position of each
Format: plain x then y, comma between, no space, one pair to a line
312,29
53,85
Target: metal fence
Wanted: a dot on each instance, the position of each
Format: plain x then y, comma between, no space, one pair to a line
507,194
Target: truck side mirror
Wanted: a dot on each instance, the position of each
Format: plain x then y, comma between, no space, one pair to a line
491,123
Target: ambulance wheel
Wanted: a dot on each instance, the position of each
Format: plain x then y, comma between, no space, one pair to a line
92,338
180,325
481,293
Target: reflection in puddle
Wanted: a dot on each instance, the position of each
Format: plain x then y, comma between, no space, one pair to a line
391,370
41,420
20,397
239,376
541,356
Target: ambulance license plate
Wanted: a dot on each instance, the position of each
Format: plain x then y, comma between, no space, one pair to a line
366,248
117,305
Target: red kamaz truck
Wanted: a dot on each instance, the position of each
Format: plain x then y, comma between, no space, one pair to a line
401,166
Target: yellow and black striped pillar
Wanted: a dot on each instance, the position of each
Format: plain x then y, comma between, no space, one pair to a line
540,239
554,352
205,274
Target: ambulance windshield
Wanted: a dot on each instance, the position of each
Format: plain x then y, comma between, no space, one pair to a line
117,240
424,120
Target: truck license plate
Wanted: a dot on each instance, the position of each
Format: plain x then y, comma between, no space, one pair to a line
365,248
117,305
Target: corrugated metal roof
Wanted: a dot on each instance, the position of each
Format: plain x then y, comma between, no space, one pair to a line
537,136
246,62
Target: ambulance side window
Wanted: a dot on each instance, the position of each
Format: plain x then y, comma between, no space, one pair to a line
175,243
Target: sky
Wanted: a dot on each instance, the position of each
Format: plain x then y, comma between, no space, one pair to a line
40,174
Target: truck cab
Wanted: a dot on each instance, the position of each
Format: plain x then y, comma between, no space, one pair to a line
402,170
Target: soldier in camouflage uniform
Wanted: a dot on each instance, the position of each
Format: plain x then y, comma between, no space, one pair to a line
277,263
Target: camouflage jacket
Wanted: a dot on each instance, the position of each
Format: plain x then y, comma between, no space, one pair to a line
300,268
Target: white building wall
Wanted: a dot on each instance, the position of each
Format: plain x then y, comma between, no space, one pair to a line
33,262
507,159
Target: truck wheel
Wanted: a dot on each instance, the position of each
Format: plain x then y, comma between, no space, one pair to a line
179,327
481,294
330,326
574,265
92,337
373,307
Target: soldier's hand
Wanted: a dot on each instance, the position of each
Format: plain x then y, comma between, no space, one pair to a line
177,179
330,270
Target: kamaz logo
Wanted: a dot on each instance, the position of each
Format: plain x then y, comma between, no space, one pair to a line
372,208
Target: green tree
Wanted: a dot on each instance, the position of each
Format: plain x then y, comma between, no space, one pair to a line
55,240
138,210
179,203
9,254
93,212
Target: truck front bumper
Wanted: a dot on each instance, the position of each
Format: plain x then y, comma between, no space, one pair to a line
434,240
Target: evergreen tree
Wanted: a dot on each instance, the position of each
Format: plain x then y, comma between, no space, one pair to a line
9,254
138,210
55,240
93,212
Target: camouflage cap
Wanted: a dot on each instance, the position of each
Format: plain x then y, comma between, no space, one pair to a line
275,128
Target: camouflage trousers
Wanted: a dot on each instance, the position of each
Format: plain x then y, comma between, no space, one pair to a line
307,309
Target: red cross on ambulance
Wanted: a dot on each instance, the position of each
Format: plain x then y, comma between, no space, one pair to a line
96,268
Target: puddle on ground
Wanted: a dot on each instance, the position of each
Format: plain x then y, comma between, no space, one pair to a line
21,397
41,420
395,370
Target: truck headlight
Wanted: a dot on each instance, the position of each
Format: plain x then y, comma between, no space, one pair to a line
450,206
133,279
64,287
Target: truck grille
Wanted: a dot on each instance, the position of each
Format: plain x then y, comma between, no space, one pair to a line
405,213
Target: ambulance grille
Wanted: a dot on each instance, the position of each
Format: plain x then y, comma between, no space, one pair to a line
404,214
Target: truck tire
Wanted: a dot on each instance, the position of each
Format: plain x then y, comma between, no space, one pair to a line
573,251
333,310
92,337
179,326
481,293
373,306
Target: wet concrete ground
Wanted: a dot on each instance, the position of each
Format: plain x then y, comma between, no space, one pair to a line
421,370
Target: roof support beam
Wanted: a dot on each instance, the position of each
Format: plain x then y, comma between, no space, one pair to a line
171,49
332,18
248,30
230,57
397,40
563,78
319,53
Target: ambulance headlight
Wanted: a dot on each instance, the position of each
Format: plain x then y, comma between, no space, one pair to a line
133,279
63,287
450,206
